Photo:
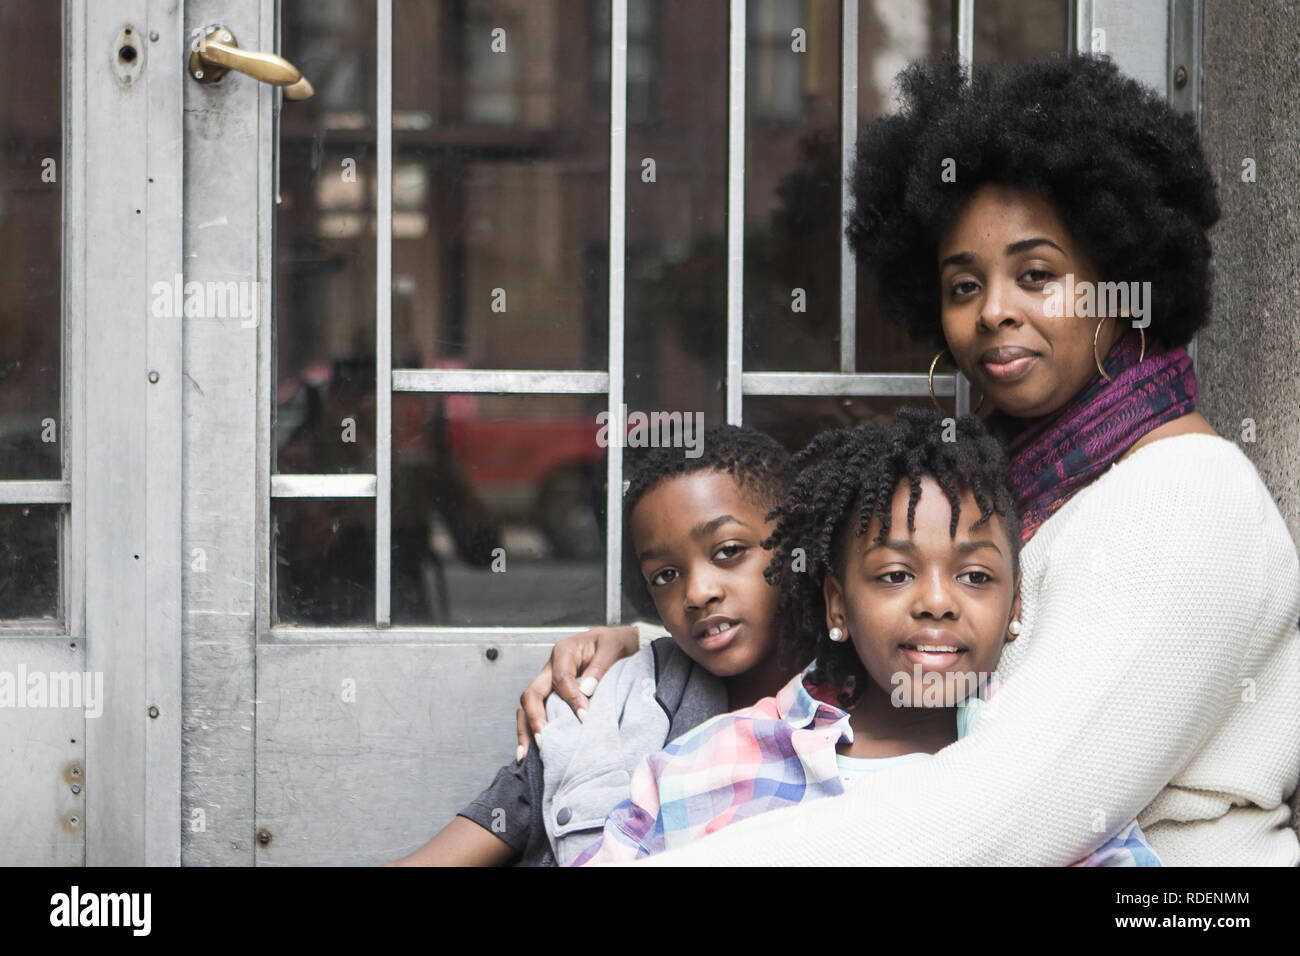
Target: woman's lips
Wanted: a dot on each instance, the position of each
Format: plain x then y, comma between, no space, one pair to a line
1010,371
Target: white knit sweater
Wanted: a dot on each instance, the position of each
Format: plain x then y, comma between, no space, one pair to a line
1157,677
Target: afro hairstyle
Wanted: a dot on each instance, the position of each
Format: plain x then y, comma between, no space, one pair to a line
1123,170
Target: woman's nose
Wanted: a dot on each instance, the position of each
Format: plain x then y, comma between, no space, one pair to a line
999,304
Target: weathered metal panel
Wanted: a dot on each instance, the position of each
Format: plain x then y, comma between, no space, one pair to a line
363,780
226,176
131,428
162,497
42,757
1135,33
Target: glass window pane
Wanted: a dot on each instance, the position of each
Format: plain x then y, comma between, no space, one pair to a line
890,36
498,510
793,420
1012,31
324,551
676,263
792,186
29,561
494,261
31,211
325,242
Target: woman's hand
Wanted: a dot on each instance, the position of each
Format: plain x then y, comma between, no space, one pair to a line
588,654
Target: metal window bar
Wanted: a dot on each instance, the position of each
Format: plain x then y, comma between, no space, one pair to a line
966,52
848,144
384,314
882,385
508,381
617,255
48,492
736,214
1081,22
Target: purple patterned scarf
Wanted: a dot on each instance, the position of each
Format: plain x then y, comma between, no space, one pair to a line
1054,456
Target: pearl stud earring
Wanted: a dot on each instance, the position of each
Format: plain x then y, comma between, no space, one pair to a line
1014,628
836,635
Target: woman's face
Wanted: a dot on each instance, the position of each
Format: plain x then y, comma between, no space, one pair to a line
994,262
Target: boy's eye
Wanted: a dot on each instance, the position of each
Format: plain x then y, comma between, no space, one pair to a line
985,578
666,576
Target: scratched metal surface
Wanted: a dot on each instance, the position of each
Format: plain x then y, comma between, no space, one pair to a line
227,192
43,821
360,782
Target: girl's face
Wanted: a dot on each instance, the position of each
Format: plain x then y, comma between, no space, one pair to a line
994,261
697,540
923,598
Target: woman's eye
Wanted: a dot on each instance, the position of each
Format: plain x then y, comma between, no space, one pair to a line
729,551
1035,276
985,578
899,576
965,287
666,576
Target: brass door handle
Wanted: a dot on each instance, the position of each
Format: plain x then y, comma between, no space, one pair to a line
214,52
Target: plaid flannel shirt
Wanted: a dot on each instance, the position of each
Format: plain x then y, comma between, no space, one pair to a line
775,754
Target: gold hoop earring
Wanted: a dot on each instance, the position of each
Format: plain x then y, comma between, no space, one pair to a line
1097,332
938,407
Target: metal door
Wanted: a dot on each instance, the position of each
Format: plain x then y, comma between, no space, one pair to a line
90,657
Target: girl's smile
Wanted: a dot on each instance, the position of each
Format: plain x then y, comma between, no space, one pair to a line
923,602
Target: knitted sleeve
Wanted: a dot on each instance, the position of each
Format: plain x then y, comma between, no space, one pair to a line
1153,582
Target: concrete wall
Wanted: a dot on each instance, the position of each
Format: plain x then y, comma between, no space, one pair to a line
1249,356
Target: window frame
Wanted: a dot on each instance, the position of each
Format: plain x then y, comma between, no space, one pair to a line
848,381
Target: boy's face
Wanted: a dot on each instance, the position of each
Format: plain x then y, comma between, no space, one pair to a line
697,540
924,598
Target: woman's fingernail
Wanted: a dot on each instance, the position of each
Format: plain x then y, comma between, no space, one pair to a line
582,715
538,738
588,686
519,753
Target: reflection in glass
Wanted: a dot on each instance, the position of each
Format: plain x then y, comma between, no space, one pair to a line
324,551
891,35
792,186
676,178
29,561
794,420
325,243
498,510
500,186
1012,31
31,210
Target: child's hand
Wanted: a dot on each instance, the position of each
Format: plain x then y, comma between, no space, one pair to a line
589,654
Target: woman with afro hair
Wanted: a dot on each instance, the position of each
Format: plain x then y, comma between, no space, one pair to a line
1045,227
